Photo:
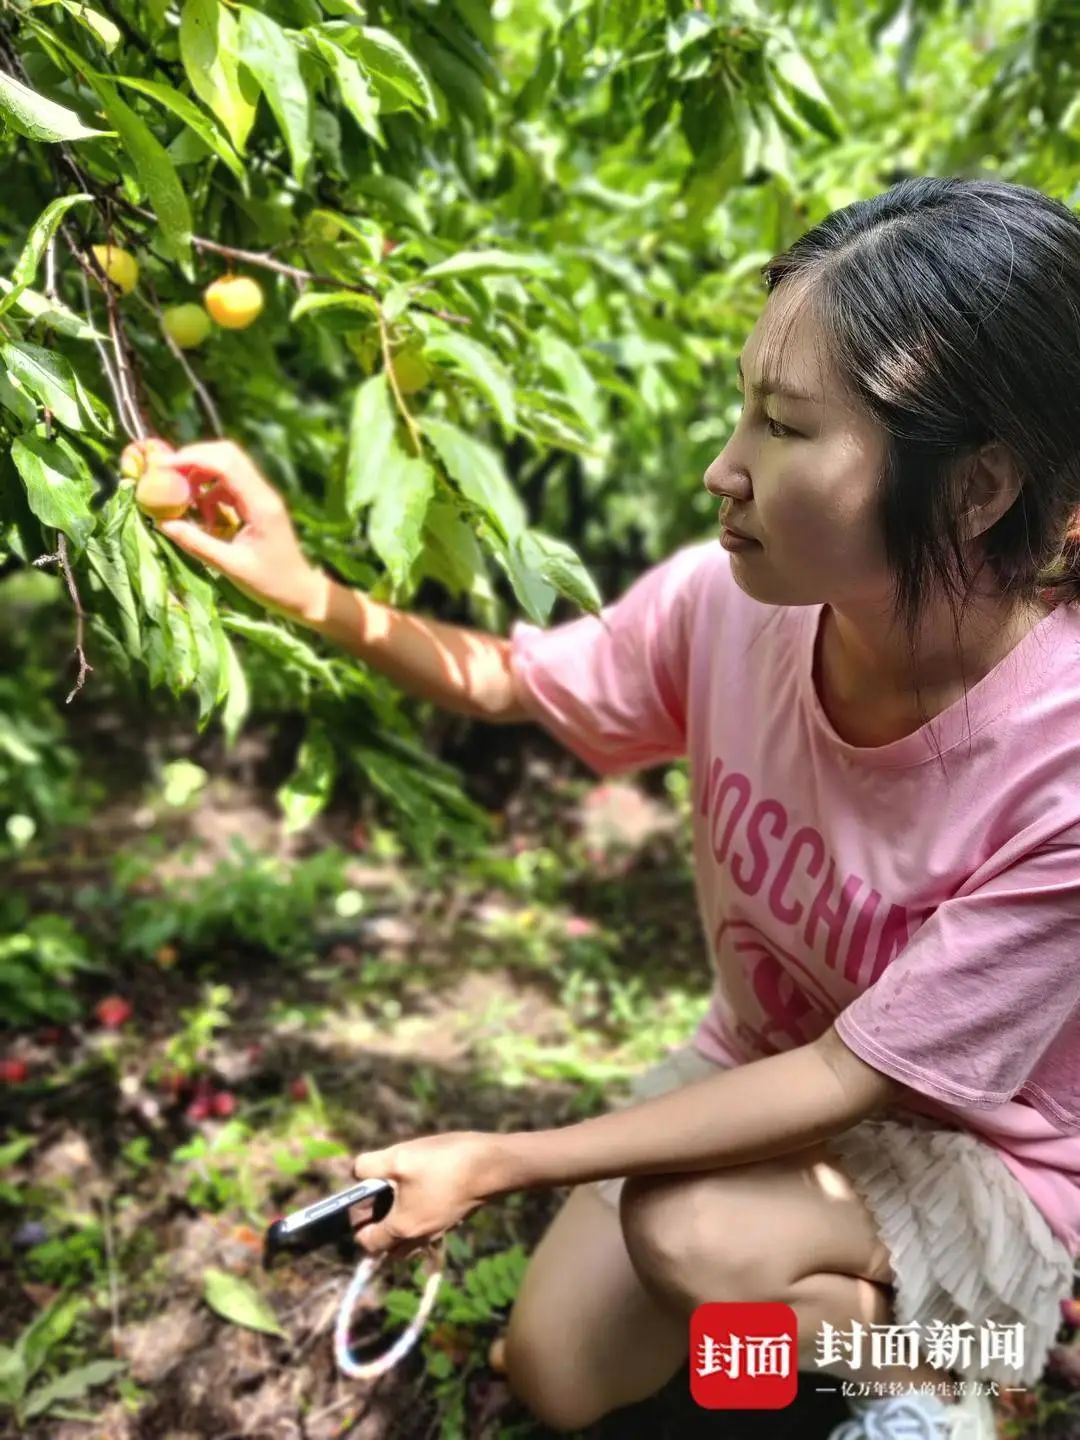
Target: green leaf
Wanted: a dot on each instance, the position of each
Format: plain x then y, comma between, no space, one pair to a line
356,94
48,376
398,78
396,522
12,1376
208,49
53,314
489,262
146,570
71,1385
274,60
98,24
17,402
556,563
106,558
371,434
58,489
41,232
794,72
156,173
363,307
309,787
280,643
192,117
564,361
482,367
478,472
237,1301
197,596
238,697
47,1330
30,114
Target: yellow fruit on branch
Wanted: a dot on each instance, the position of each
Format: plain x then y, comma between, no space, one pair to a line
135,457
411,371
162,492
119,265
234,301
186,325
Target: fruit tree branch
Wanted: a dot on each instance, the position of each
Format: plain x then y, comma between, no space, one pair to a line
294,272
61,558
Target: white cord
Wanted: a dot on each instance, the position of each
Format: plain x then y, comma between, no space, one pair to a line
369,1369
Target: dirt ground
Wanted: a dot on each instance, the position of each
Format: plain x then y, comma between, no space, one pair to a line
192,1375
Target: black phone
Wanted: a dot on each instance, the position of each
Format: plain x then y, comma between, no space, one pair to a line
326,1222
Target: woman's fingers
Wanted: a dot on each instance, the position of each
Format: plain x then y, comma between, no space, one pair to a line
198,543
256,499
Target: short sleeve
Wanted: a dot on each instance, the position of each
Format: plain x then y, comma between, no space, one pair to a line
613,687
983,1004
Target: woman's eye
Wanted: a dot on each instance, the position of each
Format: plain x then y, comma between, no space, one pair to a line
775,426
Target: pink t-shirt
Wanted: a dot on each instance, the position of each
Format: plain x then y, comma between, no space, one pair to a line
934,916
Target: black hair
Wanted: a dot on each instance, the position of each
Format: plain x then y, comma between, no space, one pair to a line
950,310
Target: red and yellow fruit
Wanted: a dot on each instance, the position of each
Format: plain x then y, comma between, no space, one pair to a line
163,493
234,301
186,325
119,265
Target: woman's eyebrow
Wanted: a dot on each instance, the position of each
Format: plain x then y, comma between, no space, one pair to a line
766,387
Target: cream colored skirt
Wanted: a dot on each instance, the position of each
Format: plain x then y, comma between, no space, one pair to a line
965,1240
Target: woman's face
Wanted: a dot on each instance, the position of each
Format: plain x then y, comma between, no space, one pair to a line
801,477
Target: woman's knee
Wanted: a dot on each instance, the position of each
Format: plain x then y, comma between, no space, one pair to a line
580,1314
680,1241
546,1383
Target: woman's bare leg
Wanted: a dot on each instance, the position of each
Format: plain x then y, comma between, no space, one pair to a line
585,1336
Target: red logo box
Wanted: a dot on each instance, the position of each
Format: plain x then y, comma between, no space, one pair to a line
744,1356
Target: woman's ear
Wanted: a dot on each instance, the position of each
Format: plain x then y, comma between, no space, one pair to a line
991,486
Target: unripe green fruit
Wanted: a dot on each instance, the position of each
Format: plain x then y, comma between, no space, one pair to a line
163,493
187,325
411,371
119,265
234,301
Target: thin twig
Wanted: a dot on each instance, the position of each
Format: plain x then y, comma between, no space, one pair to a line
294,272
103,355
61,558
384,341
201,391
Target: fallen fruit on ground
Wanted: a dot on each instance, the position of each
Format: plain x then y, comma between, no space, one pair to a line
113,1011
135,457
411,371
162,493
119,265
186,325
234,301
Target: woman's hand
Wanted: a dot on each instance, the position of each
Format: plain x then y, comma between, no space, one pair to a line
264,558
438,1181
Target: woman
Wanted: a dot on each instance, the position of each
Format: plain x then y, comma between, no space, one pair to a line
878,689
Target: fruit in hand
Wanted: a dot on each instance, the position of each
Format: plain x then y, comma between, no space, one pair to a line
135,458
234,301
187,325
162,493
119,265
411,371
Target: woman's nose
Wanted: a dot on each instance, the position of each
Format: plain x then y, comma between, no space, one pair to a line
722,483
